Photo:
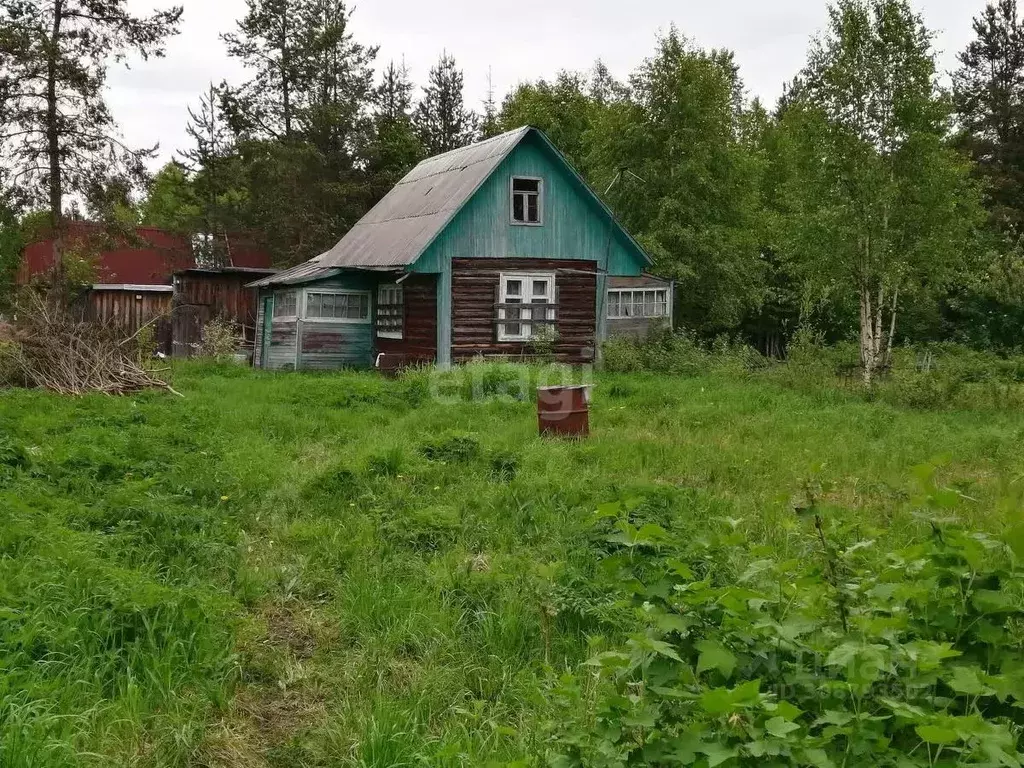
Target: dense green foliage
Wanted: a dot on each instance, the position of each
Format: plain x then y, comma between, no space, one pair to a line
834,656
306,569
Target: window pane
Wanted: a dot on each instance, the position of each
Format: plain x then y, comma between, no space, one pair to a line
540,287
514,287
525,185
518,207
313,305
638,304
330,303
648,303
533,209
613,304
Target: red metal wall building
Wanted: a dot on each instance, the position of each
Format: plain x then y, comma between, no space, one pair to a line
133,280
151,260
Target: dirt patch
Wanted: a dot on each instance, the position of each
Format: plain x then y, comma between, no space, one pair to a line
292,629
282,699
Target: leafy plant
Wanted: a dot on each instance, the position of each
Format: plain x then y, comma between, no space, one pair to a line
841,657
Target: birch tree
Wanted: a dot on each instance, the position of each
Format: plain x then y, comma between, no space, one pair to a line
877,200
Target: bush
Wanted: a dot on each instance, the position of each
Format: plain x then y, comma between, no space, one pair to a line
10,364
221,340
678,352
664,352
840,657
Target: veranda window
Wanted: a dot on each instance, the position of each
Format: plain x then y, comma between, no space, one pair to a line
641,302
285,305
337,306
525,304
390,311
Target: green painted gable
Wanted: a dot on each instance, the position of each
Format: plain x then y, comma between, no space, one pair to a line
575,226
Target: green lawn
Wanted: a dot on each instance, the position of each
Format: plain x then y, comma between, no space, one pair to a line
296,569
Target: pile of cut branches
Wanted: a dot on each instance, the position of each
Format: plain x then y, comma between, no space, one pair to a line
61,351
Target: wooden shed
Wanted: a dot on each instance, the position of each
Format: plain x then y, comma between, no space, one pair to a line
202,295
130,307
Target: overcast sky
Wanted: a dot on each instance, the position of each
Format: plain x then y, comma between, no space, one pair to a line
518,40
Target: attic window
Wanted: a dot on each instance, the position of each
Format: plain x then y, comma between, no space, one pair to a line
526,200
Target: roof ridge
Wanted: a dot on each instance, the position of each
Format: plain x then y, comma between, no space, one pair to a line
474,145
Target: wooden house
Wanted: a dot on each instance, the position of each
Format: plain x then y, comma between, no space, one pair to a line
498,248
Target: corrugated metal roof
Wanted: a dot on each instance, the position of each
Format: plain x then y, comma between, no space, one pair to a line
405,222
397,230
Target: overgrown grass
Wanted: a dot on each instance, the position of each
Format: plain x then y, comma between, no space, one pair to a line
341,570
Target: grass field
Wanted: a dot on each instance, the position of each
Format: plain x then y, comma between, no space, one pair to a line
340,570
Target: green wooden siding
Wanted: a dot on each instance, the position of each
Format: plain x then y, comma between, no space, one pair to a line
324,345
574,226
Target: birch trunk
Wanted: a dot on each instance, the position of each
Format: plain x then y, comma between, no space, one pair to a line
867,359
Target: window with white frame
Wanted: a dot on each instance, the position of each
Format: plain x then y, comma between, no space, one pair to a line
519,316
526,200
285,305
390,311
337,306
637,302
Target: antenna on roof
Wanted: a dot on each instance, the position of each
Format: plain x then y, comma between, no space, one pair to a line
623,171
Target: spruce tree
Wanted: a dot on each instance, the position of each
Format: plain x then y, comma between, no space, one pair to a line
989,99
442,120
395,147
490,125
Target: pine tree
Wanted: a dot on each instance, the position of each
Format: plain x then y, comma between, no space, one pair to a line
989,99
266,41
335,84
58,135
303,124
442,120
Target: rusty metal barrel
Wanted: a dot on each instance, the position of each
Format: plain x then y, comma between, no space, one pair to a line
564,411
